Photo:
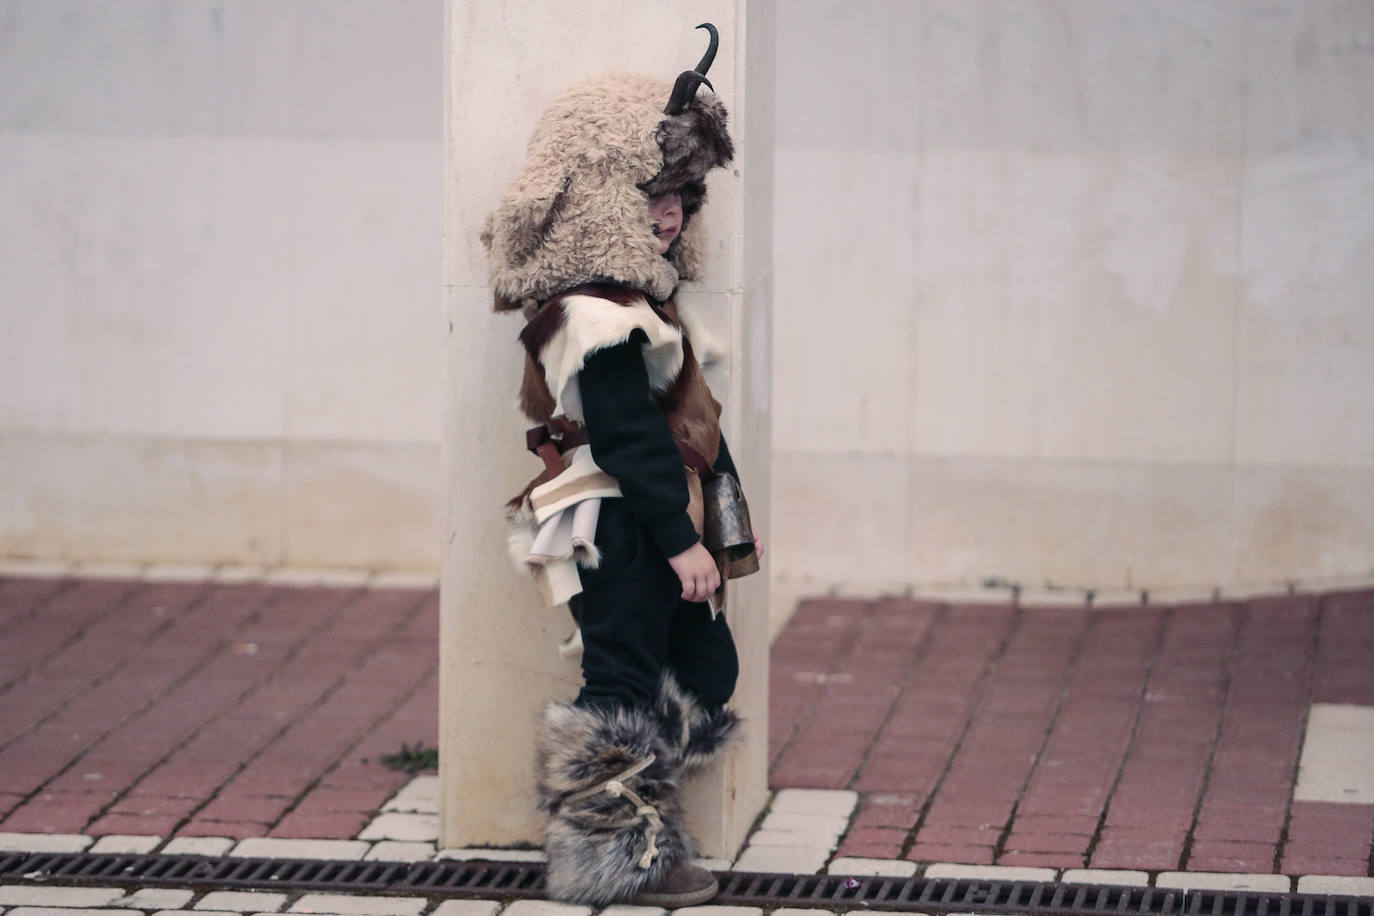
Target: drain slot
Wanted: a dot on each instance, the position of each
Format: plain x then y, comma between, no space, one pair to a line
510,880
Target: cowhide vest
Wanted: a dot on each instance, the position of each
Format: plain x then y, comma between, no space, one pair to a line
693,412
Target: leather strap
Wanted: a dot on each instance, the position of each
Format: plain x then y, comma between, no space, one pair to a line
541,441
696,461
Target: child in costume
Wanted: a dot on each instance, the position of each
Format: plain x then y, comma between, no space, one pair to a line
637,517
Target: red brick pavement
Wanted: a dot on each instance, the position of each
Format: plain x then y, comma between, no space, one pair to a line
1140,737
1131,737
208,709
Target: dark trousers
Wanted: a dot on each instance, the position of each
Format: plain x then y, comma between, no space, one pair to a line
635,624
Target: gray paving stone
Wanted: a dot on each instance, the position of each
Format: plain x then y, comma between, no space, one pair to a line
808,839
138,845
1112,876
1335,753
545,908
29,894
467,853
997,872
43,842
395,825
277,847
156,898
198,846
709,910
888,868
419,796
351,905
799,860
467,908
242,901
625,909
832,824
397,851
1223,881
56,911
1334,884
835,802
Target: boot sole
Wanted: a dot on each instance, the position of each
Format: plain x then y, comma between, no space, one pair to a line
673,901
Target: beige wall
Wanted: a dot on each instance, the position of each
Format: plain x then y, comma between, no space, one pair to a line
220,306
1074,293
1069,292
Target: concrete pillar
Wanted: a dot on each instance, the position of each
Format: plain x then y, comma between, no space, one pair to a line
500,665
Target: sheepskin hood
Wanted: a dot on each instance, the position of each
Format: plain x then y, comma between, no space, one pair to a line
578,211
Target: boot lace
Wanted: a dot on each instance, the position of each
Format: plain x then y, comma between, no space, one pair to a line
643,811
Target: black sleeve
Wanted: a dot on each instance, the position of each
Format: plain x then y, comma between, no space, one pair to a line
630,440
724,463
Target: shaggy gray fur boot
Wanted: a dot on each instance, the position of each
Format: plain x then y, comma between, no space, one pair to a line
696,735
608,779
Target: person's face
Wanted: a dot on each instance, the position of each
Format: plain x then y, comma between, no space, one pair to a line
666,212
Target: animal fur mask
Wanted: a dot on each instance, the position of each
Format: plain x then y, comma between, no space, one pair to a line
579,210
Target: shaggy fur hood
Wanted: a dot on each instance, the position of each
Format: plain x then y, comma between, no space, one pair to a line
578,211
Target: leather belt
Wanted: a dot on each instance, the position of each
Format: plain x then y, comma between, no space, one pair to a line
541,441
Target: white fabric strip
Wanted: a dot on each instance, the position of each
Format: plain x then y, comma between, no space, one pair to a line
563,536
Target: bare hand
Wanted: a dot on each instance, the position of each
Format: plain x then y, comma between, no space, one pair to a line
758,543
698,572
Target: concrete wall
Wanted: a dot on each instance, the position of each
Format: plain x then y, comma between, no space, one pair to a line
1074,293
1069,292
220,304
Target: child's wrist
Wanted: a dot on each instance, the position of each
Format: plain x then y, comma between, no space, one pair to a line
674,534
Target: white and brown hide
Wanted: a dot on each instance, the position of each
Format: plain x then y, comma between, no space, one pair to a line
679,387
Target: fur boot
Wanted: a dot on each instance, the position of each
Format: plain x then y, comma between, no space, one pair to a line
695,734
609,783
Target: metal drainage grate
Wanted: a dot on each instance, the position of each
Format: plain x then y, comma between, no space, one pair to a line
508,880
966,896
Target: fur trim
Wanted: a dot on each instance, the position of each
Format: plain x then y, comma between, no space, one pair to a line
591,324
598,838
698,735
705,345
578,211
692,144
556,581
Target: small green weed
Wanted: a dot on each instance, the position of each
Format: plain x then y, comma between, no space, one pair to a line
413,759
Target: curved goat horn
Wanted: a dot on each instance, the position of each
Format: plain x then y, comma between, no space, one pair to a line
710,56
687,82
